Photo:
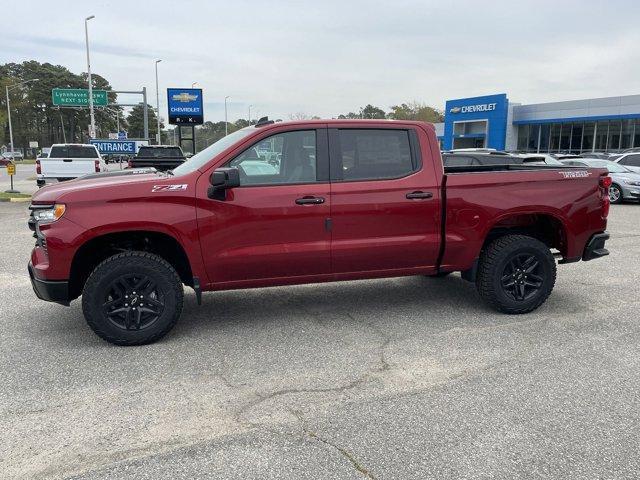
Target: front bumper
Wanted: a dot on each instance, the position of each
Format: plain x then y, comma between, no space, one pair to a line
595,247
52,291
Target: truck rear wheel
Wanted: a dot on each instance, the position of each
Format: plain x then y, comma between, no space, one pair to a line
132,298
516,274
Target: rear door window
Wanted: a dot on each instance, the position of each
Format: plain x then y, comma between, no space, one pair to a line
631,160
373,154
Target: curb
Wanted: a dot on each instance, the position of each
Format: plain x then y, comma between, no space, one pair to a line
16,200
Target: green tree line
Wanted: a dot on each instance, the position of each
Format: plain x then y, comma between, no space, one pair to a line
34,118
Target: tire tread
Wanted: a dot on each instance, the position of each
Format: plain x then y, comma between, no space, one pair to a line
162,267
489,260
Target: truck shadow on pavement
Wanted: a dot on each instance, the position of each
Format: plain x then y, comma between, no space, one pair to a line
439,303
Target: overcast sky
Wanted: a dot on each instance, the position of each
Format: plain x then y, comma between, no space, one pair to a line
330,57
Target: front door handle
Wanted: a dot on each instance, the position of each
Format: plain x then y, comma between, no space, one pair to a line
310,200
419,194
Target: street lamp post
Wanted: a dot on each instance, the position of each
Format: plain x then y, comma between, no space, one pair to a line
158,136
7,90
92,130
250,114
226,131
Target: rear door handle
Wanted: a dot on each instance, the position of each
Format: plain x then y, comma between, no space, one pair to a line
310,200
67,160
419,194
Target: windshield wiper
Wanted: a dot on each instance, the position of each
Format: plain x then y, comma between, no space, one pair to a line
170,172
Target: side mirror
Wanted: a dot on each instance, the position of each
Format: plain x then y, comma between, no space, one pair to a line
222,179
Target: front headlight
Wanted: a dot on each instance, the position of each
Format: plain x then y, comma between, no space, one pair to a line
635,183
47,215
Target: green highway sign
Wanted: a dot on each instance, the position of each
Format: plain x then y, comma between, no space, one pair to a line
78,97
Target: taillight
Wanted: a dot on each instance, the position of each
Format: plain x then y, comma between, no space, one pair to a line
605,181
38,167
97,165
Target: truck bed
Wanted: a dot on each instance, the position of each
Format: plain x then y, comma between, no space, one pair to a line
478,198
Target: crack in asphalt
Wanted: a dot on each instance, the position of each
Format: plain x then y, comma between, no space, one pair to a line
343,451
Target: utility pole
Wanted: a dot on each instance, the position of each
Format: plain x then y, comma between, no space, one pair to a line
250,114
158,135
226,131
92,130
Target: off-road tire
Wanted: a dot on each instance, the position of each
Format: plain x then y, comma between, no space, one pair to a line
497,256
167,282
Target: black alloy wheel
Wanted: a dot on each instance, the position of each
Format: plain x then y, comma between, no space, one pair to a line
522,278
133,302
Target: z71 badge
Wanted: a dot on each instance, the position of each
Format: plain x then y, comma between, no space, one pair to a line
169,188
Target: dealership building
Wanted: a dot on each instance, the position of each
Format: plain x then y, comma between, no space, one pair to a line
492,121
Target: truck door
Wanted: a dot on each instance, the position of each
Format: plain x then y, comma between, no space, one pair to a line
273,225
385,201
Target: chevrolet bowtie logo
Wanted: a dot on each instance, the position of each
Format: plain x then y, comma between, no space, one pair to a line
184,97
455,110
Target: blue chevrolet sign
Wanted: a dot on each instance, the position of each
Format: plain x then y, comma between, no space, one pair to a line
185,106
115,147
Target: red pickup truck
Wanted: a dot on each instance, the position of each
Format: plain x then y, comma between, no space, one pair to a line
303,202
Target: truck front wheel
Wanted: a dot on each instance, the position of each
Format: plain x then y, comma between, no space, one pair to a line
516,274
132,298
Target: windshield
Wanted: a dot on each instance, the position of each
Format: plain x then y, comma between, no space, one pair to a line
201,158
611,166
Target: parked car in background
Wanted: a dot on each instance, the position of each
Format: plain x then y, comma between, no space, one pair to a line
631,150
566,156
489,151
161,157
469,158
599,155
625,183
67,161
629,160
4,161
16,155
539,159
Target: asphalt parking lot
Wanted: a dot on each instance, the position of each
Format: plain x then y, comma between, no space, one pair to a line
408,378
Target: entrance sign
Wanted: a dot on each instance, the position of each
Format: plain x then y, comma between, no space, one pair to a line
115,147
185,106
78,97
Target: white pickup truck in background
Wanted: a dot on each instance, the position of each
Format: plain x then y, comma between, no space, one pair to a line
67,161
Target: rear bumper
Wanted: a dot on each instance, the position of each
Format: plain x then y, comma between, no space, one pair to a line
52,291
595,247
